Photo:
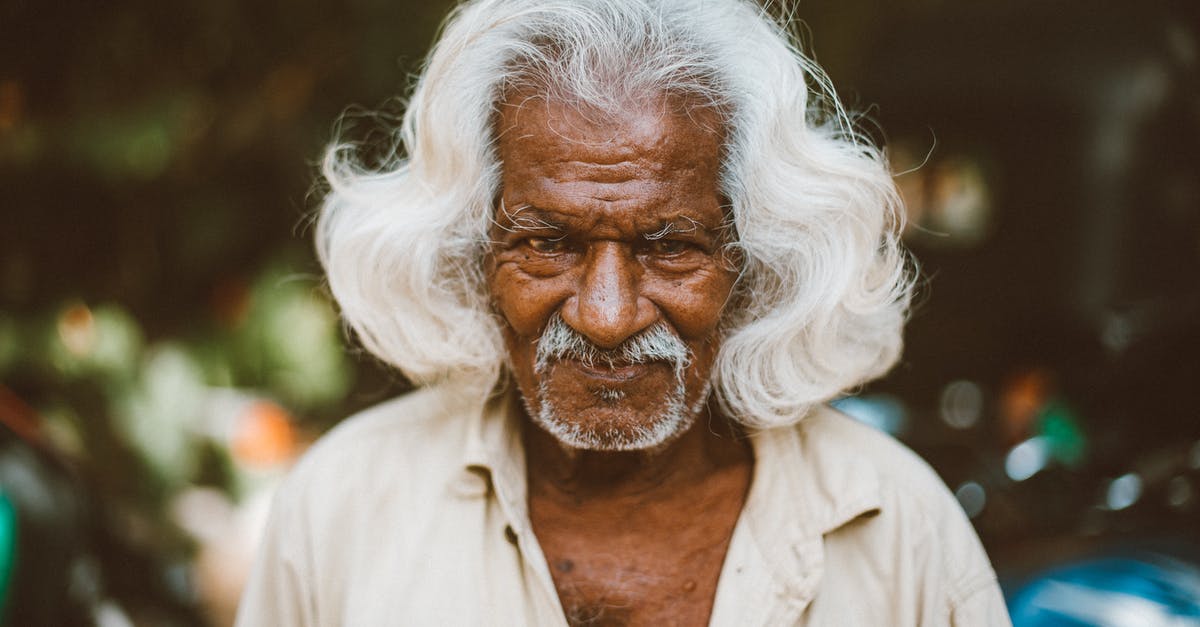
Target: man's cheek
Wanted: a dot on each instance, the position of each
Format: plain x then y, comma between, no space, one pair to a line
525,303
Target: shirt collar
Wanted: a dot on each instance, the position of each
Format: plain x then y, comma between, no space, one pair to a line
493,450
810,482
801,484
804,486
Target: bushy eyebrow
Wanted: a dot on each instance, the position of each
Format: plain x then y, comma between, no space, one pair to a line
674,227
526,218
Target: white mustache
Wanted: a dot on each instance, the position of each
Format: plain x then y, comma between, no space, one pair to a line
657,343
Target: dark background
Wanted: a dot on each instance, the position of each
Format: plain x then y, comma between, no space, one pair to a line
167,347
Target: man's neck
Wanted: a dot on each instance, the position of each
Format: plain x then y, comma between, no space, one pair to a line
638,538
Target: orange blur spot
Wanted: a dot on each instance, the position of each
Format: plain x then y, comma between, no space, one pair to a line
1022,401
263,435
12,101
77,329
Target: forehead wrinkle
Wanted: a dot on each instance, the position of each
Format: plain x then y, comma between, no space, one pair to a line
660,158
610,139
587,205
628,175
620,171
617,174
650,193
648,203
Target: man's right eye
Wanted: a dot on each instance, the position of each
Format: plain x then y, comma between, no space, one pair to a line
546,244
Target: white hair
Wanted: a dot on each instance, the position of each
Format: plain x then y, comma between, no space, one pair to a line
824,286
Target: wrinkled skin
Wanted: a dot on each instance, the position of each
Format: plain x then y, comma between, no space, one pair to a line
632,537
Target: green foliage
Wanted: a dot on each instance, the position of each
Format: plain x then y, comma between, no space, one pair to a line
157,285
308,372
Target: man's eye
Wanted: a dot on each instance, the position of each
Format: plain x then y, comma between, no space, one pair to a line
546,244
668,246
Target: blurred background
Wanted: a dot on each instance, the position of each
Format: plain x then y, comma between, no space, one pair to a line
167,348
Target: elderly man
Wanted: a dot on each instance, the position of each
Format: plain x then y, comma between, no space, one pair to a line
627,255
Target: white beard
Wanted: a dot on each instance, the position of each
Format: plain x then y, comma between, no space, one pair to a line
657,343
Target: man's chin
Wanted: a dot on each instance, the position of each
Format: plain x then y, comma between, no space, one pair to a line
598,434
611,417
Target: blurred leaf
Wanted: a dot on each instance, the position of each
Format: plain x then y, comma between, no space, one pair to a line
160,417
294,336
137,142
61,426
104,342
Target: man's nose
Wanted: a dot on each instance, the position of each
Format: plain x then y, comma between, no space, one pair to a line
607,307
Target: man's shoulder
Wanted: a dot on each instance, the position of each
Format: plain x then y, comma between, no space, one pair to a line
914,514
379,447
417,414
869,471
835,438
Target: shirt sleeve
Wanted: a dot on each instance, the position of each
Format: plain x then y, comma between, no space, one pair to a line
279,590
972,589
984,607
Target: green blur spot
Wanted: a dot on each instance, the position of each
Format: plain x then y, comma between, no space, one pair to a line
1059,425
136,142
8,550
163,416
147,151
293,338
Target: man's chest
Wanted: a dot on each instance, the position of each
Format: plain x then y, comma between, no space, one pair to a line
655,567
635,587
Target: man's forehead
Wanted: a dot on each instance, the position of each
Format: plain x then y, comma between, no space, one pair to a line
645,167
648,133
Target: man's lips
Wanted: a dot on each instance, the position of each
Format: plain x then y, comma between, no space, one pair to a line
615,373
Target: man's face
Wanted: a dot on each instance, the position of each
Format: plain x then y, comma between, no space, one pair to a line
608,267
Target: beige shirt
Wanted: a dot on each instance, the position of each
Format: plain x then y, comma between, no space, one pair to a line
414,513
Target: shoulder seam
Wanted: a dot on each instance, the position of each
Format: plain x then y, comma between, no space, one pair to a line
977,584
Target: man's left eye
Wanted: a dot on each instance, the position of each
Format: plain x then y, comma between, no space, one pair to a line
546,244
668,246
